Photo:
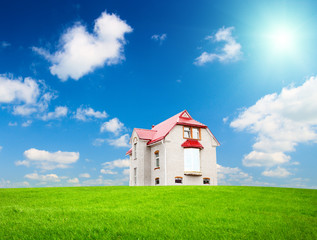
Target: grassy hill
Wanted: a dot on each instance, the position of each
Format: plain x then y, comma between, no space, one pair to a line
182,212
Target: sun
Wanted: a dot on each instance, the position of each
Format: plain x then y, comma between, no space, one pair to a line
282,40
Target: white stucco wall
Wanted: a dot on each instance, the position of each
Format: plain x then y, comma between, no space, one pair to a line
175,158
157,172
172,160
141,162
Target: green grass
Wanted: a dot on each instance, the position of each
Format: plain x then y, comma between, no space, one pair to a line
182,212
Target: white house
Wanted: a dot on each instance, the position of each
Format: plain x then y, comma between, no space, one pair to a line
178,151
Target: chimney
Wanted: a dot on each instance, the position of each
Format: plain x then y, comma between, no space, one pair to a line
153,126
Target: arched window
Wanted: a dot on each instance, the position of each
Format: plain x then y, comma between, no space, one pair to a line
157,158
157,181
178,179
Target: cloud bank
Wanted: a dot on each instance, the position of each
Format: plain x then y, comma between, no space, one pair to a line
48,160
280,122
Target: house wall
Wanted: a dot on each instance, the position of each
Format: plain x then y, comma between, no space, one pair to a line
175,158
141,162
160,173
172,160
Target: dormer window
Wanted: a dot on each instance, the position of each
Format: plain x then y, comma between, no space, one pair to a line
187,132
191,133
195,133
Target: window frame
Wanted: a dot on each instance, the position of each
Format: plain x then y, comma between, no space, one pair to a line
134,148
135,141
191,133
157,181
208,179
157,159
179,178
189,161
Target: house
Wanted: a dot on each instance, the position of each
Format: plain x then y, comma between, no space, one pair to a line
178,151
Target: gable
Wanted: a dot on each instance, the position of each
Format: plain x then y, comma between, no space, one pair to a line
186,115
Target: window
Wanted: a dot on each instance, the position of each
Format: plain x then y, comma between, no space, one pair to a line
134,150
157,159
178,179
134,176
192,159
157,181
195,133
191,133
206,180
186,132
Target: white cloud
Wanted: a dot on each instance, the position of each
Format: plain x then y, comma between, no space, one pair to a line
73,180
8,184
84,175
119,163
122,141
233,176
60,111
225,119
229,53
43,178
22,163
48,161
98,141
5,44
298,183
278,172
107,171
85,114
260,159
280,122
114,125
27,96
24,110
126,171
18,90
27,123
159,37
12,124
105,182
82,52
1,148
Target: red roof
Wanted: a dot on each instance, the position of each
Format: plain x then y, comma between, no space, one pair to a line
145,133
129,152
160,131
192,144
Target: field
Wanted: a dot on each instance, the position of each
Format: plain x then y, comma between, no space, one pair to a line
182,212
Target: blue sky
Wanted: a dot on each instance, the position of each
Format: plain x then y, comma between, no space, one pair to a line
78,76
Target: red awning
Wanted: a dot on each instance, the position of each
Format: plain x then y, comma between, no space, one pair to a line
192,144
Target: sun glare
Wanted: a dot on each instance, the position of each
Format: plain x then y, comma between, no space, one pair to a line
282,40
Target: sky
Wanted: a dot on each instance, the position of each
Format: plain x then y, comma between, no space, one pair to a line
77,76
